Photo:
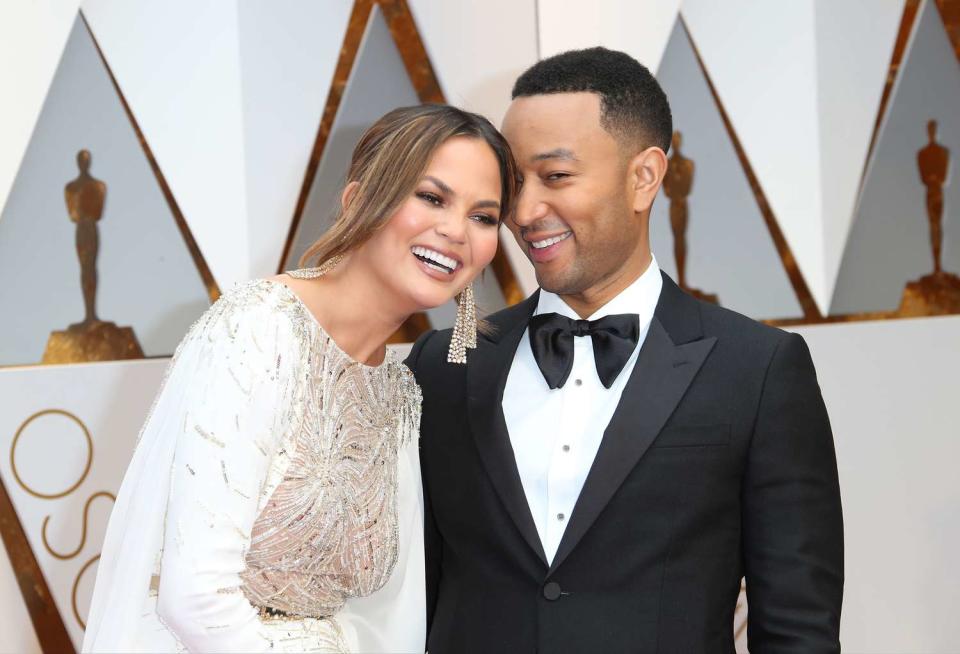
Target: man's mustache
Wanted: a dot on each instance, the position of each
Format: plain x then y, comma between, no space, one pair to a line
545,226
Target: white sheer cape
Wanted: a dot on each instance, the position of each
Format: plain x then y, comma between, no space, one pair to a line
229,373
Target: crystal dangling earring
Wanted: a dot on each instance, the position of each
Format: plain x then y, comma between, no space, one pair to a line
464,335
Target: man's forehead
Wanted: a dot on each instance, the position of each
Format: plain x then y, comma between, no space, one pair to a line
563,154
556,124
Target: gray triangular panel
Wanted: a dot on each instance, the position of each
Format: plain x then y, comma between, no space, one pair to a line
889,242
729,249
147,278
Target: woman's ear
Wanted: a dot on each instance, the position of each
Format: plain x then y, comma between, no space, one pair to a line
348,192
646,173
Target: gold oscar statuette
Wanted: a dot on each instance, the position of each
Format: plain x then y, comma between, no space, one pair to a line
677,184
91,339
939,292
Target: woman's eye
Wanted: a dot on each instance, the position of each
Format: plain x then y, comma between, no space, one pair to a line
432,198
485,219
555,177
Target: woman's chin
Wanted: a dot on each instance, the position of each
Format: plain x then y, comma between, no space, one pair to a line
434,303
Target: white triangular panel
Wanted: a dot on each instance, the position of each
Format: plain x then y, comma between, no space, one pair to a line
890,388
111,401
855,42
32,36
889,242
288,52
178,65
146,277
640,29
729,249
478,49
761,58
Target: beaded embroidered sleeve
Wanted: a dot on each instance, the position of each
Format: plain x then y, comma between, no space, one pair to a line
283,488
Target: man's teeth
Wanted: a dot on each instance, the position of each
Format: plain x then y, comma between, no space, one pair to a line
547,242
435,259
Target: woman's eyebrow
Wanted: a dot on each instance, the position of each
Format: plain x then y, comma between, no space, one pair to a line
482,204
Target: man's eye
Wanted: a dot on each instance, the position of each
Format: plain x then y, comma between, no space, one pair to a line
432,198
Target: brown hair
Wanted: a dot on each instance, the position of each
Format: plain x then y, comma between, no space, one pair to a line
389,161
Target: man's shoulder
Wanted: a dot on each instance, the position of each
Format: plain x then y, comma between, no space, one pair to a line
430,348
428,356
741,332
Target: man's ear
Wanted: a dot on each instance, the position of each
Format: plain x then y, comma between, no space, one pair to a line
348,192
645,174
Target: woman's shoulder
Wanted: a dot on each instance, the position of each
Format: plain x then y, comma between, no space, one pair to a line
264,308
266,298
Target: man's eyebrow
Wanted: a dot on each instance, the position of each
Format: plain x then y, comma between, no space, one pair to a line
558,153
482,204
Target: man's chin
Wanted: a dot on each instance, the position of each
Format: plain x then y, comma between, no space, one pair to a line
558,284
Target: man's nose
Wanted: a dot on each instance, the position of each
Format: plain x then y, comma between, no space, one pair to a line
529,207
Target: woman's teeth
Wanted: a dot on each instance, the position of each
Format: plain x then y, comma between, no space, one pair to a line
547,242
435,260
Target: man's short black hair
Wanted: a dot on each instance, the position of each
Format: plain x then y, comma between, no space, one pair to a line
633,107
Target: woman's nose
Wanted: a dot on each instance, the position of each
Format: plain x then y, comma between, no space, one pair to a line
453,228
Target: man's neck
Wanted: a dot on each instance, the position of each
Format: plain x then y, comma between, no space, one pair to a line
588,302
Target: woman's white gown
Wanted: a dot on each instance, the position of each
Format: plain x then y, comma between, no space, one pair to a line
273,502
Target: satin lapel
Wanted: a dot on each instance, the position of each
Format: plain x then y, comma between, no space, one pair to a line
660,378
486,377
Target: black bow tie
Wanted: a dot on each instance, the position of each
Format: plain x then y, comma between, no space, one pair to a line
551,338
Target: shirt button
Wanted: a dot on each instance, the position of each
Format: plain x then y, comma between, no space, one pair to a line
578,382
560,516
566,448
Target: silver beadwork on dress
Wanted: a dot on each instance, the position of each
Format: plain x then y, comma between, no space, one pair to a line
328,530
271,473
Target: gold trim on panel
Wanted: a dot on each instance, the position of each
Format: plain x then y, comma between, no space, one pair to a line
83,532
512,293
910,10
832,320
412,50
811,313
356,26
213,290
13,449
950,15
47,622
73,591
916,303
950,12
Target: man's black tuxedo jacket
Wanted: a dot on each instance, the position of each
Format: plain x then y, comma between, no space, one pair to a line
718,463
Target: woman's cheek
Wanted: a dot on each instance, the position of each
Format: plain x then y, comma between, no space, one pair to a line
490,242
408,222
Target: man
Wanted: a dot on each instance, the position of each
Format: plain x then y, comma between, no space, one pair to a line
616,455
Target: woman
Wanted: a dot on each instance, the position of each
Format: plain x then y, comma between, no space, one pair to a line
273,501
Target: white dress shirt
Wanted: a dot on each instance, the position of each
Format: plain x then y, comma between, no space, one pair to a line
555,433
